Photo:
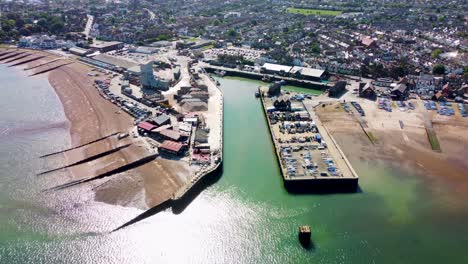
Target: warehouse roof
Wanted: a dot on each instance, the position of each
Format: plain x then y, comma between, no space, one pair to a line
171,146
276,67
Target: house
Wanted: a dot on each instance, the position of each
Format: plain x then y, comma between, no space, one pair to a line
145,127
274,89
169,134
283,103
368,42
162,120
338,89
172,148
399,92
367,90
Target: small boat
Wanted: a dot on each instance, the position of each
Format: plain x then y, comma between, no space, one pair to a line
257,94
304,235
266,78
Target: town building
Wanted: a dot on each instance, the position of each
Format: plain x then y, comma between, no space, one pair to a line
106,46
172,148
149,81
338,89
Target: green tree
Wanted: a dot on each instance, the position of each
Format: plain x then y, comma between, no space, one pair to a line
231,32
436,53
438,69
315,48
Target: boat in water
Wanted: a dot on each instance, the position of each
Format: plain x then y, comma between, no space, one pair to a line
304,236
266,78
220,73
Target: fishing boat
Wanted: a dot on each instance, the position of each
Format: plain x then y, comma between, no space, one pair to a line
304,235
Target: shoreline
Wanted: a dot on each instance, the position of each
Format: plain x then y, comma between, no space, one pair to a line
90,117
406,148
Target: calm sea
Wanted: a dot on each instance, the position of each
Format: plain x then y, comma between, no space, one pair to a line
245,217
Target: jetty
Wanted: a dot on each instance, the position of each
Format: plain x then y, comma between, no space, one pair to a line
216,160
310,160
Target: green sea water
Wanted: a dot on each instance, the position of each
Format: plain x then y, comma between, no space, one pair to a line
245,217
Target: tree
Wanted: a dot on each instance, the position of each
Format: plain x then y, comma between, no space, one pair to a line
438,69
231,32
436,53
315,48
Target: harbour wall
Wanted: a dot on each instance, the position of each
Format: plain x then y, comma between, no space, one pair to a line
316,185
258,76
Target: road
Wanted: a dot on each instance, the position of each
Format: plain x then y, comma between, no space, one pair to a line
151,13
89,25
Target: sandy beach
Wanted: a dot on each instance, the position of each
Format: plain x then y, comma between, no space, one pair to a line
91,117
406,148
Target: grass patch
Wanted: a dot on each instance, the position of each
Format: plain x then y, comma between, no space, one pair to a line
208,47
190,38
313,12
431,135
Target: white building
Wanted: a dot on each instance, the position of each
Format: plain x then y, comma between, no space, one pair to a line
149,81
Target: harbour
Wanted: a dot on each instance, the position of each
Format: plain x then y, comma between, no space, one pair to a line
309,157
248,204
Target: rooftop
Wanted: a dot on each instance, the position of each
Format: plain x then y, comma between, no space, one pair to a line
171,146
276,67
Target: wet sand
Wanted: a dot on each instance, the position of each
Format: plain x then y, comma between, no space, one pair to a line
408,148
91,117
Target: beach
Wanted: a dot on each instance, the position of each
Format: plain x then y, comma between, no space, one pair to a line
407,148
91,117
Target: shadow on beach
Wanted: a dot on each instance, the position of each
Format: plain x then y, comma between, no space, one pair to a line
178,206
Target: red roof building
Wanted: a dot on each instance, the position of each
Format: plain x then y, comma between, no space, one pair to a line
172,147
146,126
170,134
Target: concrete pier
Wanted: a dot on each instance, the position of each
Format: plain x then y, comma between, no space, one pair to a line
345,181
216,160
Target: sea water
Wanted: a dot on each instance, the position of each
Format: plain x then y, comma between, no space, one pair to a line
245,217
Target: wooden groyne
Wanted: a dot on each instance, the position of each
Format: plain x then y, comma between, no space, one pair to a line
82,145
120,169
88,159
11,55
18,58
42,64
7,52
51,69
27,61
